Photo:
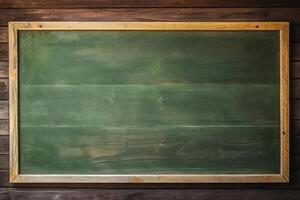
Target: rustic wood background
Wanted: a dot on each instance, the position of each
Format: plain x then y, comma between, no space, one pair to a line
155,10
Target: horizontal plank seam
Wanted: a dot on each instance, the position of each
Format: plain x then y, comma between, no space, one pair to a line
145,7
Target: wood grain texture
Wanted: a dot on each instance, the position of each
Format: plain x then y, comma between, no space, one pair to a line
295,128
149,26
4,181
295,92
295,70
3,51
144,3
152,14
3,34
4,144
295,115
295,49
284,100
4,127
13,105
4,160
294,144
295,84
293,184
295,106
142,194
3,89
295,52
3,69
295,34
3,109
215,191
160,152
141,87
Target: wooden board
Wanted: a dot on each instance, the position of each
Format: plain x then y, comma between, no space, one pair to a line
128,103
144,3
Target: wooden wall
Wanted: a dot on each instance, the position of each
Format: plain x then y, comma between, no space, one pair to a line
155,10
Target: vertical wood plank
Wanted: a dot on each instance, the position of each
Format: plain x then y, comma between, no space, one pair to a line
284,100
13,99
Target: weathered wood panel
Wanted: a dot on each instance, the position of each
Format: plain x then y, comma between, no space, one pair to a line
4,161
3,34
144,3
295,104
3,69
295,85
142,194
295,141
295,51
146,93
179,191
152,14
295,33
295,69
3,89
4,144
295,109
4,127
4,178
3,51
295,92
3,109
92,150
294,184
295,127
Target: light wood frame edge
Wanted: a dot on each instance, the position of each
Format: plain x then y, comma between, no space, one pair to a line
16,177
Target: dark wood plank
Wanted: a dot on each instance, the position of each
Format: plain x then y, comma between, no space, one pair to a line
295,89
4,162
144,3
295,52
152,14
144,194
295,33
4,89
3,34
295,127
3,69
295,145
3,51
295,162
4,194
4,127
4,144
3,110
4,182
295,70
295,109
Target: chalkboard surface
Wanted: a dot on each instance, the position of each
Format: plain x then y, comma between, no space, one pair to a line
148,102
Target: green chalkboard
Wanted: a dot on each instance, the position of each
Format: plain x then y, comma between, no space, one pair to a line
149,102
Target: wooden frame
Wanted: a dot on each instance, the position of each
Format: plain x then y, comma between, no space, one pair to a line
283,27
